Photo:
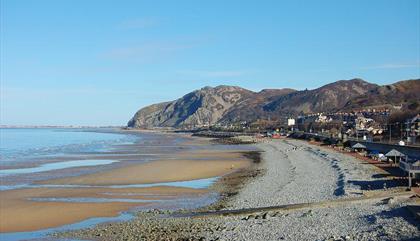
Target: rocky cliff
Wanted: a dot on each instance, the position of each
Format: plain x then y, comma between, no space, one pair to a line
226,104
202,107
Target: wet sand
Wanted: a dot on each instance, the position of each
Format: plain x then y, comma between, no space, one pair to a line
297,192
156,172
20,213
42,207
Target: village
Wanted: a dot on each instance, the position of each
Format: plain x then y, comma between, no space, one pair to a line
368,125
367,135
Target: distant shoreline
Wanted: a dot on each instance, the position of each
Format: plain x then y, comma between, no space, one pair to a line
54,126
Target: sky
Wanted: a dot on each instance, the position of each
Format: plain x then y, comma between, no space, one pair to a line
96,62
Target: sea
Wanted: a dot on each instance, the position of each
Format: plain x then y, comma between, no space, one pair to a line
28,155
20,144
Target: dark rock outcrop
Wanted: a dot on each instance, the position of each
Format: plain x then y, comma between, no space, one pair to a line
202,107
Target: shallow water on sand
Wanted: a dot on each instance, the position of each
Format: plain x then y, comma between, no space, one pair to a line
186,203
196,184
24,161
169,204
56,166
42,234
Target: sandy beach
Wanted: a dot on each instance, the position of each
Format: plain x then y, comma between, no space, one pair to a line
23,214
157,171
53,202
303,192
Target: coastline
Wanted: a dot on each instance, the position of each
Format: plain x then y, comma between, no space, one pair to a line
313,194
122,186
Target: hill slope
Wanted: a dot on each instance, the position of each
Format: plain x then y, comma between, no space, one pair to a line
227,104
198,108
330,97
404,94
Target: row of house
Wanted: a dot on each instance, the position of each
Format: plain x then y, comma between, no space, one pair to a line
407,163
372,124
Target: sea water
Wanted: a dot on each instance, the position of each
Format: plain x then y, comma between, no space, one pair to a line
18,147
18,144
55,166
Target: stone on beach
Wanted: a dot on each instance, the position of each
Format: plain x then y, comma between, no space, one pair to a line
307,174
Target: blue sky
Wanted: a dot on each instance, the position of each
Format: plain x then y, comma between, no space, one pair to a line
97,62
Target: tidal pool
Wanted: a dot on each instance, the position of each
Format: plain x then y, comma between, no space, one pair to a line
55,166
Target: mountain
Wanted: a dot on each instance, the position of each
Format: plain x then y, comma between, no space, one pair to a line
228,104
330,97
286,102
404,95
199,108
252,109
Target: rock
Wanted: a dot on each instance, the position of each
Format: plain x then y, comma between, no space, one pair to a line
205,106
390,200
264,216
308,213
249,217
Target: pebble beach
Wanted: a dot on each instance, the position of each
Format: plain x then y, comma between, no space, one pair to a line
297,191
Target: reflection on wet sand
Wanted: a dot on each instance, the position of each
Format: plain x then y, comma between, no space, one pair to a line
156,172
40,208
60,197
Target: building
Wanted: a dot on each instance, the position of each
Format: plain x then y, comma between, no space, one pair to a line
291,122
323,119
358,147
414,129
412,168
